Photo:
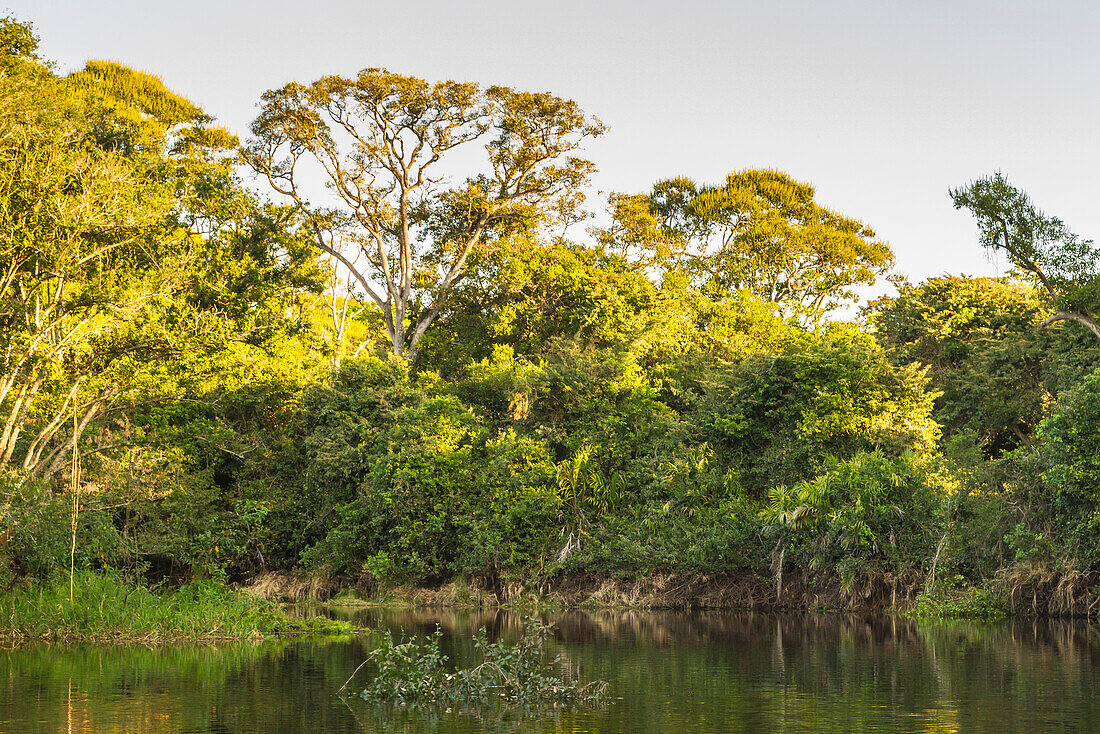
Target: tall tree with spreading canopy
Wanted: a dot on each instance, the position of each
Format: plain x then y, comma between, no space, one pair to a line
760,231
384,144
1041,246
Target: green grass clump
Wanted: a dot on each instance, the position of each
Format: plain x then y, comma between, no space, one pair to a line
104,606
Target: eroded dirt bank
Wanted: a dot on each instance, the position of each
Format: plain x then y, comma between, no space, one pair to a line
1024,590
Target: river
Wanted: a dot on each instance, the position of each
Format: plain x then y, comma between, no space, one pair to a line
668,672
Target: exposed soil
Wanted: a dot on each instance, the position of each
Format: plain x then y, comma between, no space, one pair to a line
731,590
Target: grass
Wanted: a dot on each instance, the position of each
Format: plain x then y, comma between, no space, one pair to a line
106,607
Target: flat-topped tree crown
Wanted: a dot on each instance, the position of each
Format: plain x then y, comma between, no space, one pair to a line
386,146
760,231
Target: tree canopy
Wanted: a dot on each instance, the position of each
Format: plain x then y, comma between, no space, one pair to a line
180,396
759,231
386,146
1039,245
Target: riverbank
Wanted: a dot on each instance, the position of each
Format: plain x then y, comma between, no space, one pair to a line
107,608
731,590
1026,590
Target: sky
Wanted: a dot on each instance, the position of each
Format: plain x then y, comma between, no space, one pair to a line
883,106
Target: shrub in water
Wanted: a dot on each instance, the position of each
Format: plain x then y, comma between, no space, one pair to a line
416,672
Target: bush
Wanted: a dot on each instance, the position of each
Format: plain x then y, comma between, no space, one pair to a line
954,599
416,672
1069,446
408,483
868,506
777,417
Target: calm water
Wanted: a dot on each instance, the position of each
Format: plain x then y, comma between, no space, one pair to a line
667,672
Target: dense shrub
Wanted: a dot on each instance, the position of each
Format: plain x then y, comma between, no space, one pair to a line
1069,444
866,507
405,482
775,418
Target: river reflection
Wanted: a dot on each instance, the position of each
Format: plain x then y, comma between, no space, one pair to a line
668,672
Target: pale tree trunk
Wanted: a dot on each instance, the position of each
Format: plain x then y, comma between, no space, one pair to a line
341,316
1080,318
76,504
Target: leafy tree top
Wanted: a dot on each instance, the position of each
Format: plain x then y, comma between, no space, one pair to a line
17,41
385,145
760,231
1040,246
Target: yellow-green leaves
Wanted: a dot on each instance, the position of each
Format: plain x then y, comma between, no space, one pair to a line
759,231
402,218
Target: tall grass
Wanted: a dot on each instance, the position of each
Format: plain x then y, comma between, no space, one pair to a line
104,606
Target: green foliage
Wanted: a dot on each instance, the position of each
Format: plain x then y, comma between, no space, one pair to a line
105,606
955,599
777,417
533,299
655,536
411,485
1069,444
517,674
985,352
760,231
1026,545
858,508
380,139
39,519
653,404
1040,245
148,325
133,111
18,42
523,294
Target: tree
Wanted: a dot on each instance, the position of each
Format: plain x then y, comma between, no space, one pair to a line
382,143
1041,246
760,231
18,43
986,357
118,212
73,226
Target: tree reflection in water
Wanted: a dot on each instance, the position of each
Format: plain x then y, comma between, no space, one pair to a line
669,672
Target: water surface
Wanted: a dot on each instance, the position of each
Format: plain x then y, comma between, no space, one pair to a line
704,672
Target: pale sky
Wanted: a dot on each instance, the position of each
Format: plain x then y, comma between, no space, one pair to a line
881,105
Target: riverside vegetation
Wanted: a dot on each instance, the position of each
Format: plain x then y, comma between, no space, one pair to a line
101,607
413,380
516,674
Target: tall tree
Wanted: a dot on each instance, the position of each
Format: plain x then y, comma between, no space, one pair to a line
383,144
119,213
75,222
760,231
1043,247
